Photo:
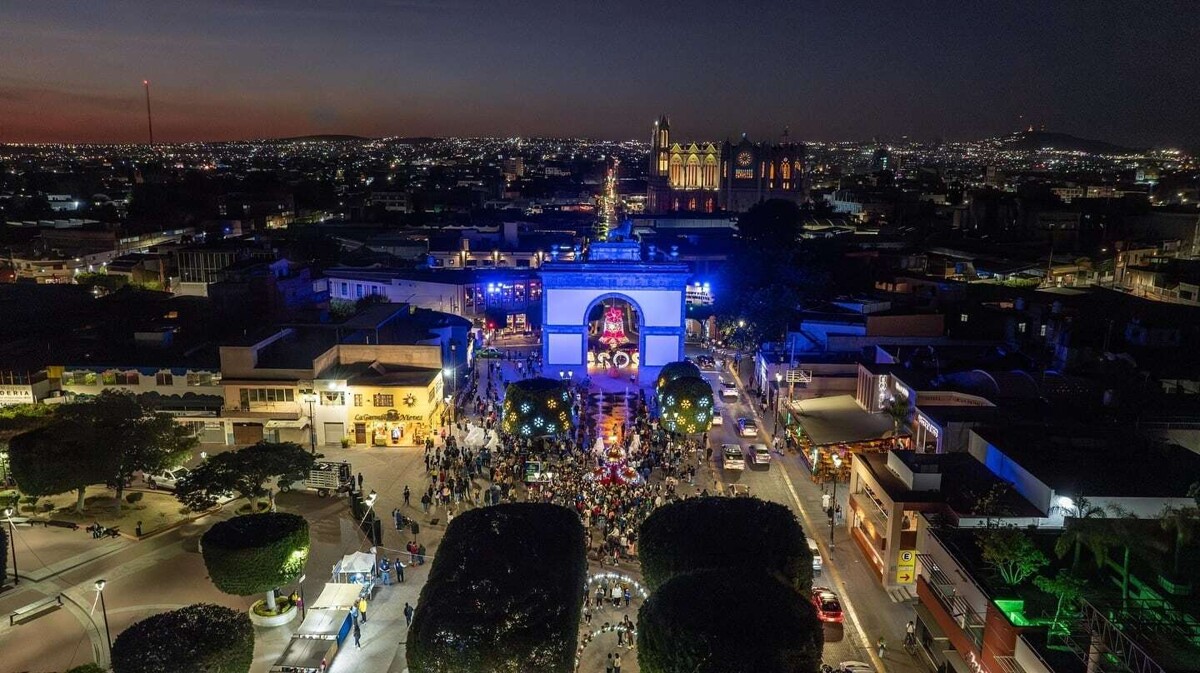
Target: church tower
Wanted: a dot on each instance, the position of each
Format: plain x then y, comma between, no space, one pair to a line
659,147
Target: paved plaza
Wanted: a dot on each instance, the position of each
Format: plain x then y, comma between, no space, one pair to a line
165,571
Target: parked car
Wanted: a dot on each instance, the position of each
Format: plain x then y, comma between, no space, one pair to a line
731,457
488,352
828,605
759,454
818,562
718,419
747,427
167,479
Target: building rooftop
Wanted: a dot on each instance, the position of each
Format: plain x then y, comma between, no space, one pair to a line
963,480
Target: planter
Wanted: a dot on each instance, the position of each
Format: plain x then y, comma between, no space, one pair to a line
273,620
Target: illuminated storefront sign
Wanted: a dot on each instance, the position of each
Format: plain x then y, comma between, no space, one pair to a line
927,425
882,389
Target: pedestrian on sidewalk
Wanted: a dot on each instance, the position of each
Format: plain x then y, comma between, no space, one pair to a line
608,665
357,636
385,571
360,481
399,571
617,663
408,614
881,646
362,609
825,502
407,495
587,615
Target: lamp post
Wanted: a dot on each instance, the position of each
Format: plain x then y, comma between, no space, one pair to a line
837,465
303,604
452,374
311,398
12,538
104,609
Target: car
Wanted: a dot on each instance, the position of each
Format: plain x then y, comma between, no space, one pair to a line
732,458
828,605
489,352
167,479
718,419
728,389
759,454
706,362
818,562
747,427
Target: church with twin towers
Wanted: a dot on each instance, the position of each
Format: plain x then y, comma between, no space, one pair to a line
706,177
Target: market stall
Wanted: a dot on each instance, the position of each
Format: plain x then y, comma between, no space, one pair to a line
337,596
356,568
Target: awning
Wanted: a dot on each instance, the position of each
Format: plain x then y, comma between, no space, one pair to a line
323,624
358,562
302,423
337,596
926,617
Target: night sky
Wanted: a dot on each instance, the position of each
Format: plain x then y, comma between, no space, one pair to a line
1126,72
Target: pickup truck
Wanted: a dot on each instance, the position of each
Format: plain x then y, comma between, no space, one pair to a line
167,479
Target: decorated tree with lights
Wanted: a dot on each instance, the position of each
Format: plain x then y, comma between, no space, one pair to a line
256,553
672,371
685,405
537,407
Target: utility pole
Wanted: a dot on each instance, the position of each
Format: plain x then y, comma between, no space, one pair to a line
149,118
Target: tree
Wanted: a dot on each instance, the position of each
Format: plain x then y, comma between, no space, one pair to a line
900,412
1082,531
715,621
686,405
256,553
504,593
1182,521
116,424
675,370
246,472
1064,586
736,535
1012,554
537,407
201,638
57,459
774,223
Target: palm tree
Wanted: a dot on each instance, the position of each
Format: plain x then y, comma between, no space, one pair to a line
900,413
1126,535
1183,522
1081,532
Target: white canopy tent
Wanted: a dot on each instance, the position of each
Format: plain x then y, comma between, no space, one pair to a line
337,596
357,563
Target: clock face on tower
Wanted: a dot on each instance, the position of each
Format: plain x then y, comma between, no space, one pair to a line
744,159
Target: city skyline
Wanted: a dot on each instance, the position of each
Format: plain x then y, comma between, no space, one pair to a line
229,71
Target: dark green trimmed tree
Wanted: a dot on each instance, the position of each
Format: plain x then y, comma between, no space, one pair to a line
736,535
686,405
504,593
715,621
672,371
256,553
537,407
55,459
201,638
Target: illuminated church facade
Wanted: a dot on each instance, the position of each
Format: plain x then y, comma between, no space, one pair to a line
706,178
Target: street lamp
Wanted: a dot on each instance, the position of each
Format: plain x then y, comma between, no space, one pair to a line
837,465
104,609
452,374
303,604
12,537
311,398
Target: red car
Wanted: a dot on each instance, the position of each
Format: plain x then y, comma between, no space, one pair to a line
829,608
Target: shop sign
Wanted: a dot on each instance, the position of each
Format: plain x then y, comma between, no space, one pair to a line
391,415
882,391
906,566
927,425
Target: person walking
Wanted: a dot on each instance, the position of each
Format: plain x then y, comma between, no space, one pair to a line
407,495
362,609
385,571
608,665
408,614
881,646
357,636
399,571
617,663
587,615
360,482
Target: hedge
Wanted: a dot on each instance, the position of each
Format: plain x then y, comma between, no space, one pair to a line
537,407
716,621
504,593
731,534
200,638
686,405
255,553
672,371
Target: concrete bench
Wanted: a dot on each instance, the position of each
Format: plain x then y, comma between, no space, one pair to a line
36,608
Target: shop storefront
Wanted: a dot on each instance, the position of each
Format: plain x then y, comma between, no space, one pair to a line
391,428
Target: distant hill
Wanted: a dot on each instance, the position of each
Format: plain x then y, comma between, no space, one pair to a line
1036,140
332,137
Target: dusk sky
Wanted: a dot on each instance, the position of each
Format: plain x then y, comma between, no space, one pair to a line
1126,72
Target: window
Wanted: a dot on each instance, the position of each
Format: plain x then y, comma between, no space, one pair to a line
358,399
1021,327
164,379
358,291
345,289
1042,331
108,378
203,379
963,318
384,400
266,395
131,378
333,399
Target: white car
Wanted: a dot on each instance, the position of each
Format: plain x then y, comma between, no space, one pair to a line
167,479
729,390
747,427
718,419
732,458
818,562
759,454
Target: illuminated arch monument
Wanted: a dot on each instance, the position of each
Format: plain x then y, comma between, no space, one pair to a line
613,270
